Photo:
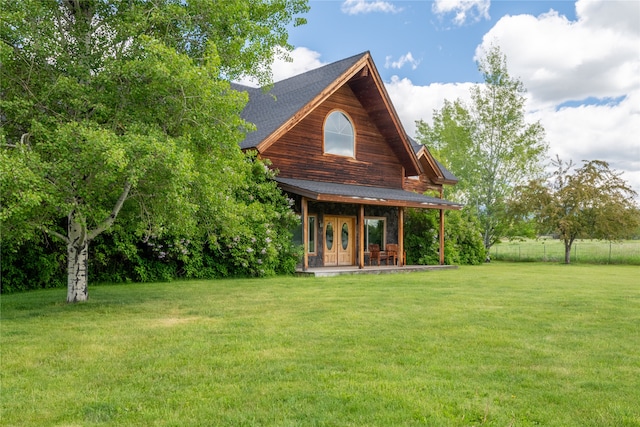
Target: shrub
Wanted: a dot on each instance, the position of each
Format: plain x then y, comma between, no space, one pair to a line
463,241
34,264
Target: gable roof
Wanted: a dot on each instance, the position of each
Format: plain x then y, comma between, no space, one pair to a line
276,111
430,163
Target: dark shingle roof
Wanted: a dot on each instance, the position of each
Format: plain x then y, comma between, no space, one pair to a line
271,109
363,194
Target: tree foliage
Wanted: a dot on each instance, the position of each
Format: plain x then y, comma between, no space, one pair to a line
114,107
462,244
487,144
592,201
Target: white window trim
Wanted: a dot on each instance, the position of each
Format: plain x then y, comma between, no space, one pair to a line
324,150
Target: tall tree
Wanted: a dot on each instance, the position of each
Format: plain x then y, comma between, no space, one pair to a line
591,202
112,102
488,144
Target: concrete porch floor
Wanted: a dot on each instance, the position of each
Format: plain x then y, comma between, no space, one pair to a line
374,269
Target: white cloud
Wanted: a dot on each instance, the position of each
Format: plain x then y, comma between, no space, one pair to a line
595,57
589,132
355,7
302,60
560,60
402,61
623,15
597,132
418,102
464,10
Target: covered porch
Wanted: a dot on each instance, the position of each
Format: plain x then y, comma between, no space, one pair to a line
344,228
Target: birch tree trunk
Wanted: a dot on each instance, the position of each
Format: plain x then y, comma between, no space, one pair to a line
77,257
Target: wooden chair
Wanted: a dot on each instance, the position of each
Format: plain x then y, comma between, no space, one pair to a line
374,253
392,253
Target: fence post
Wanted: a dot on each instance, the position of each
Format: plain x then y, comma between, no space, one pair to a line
575,252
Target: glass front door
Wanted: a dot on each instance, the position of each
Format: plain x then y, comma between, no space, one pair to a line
339,238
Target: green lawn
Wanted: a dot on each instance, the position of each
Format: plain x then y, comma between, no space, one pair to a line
497,345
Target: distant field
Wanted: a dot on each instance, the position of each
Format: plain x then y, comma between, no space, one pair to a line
501,344
582,251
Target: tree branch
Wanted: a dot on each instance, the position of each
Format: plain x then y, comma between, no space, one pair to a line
114,213
56,234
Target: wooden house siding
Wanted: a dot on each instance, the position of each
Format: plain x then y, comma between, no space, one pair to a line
420,185
299,152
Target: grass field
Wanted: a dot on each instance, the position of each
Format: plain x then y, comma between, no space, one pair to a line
582,251
494,345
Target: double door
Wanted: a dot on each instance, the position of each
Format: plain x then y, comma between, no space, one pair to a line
339,240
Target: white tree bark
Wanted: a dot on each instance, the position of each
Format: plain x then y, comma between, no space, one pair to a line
77,240
77,258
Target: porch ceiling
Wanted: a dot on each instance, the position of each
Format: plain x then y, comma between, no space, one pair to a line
364,195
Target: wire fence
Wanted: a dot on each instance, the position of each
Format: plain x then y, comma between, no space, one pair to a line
582,251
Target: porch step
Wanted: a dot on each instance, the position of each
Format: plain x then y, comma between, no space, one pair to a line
383,269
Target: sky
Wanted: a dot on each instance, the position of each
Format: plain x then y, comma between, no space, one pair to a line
578,60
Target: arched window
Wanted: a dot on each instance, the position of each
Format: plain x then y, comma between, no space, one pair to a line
339,137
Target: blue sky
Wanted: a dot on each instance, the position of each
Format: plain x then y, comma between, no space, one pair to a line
442,50
579,60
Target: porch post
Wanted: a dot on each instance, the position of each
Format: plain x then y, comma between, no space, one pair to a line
361,237
400,236
305,234
441,236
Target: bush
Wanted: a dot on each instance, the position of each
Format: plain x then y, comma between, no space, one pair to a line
34,264
250,235
463,240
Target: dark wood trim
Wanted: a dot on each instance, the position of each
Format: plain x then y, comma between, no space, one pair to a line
305,234
361,237
441,237
377,202
400,237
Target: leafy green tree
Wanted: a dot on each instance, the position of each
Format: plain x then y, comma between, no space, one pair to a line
112,105
463,238
592,201
487,144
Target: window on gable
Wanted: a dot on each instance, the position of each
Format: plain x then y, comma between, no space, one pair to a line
339,136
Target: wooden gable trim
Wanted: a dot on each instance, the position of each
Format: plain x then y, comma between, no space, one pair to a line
424,155
307,109
394,115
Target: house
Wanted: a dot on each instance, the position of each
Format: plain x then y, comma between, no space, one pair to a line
345,159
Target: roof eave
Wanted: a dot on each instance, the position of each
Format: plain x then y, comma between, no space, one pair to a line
334,198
